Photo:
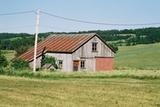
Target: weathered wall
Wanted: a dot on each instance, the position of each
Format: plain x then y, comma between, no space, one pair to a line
85,52
38,63
67,60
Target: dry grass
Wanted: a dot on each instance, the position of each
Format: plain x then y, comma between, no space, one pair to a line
80,92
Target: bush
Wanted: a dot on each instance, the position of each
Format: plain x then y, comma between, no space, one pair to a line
49,60
19,64
3,61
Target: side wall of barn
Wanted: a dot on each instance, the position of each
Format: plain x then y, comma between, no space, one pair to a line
66,58
38,62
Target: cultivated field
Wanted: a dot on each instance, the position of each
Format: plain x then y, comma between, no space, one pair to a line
119,88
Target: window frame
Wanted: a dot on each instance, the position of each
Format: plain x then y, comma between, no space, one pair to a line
60,65
94,46
82,64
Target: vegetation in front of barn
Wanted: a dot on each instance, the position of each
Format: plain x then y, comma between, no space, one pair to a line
134,74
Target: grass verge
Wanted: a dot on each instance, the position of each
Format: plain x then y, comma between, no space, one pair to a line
135,74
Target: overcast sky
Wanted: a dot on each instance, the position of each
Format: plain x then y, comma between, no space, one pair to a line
105,11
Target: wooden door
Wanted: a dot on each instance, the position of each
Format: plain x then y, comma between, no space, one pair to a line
75,65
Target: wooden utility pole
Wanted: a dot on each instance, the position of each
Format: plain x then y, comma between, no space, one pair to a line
36,38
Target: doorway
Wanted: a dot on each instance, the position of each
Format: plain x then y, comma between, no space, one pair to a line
75,65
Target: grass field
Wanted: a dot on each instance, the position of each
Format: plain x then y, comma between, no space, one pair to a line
138,57
79,92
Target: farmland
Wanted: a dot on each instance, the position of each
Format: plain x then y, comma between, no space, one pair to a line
80,90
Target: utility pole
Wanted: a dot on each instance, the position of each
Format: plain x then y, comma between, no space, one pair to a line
36,38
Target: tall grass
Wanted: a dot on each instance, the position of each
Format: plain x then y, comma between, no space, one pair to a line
136,74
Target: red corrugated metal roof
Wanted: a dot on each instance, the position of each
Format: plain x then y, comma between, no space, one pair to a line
60,43
66,43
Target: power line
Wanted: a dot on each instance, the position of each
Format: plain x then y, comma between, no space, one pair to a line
17,13
98,23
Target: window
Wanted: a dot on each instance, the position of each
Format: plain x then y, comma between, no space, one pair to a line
94,47
82,64
60,64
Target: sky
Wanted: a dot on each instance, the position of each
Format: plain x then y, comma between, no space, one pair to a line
103,11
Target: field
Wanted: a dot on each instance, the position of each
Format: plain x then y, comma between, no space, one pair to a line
81,90
138,57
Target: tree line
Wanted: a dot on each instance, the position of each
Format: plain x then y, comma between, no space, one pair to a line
22,41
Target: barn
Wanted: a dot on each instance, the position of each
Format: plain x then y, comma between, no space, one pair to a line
74,52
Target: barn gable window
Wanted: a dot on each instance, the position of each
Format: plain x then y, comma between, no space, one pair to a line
94,46
82,64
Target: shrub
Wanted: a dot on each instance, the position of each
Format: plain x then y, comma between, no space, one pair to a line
19,64
49,60
3,61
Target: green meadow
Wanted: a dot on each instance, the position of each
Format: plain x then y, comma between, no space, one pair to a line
138,57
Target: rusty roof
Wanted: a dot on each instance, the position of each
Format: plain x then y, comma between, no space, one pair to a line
59,43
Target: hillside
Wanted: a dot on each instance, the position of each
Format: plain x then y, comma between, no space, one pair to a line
138,57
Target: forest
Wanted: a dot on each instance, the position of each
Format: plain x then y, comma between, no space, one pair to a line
20,42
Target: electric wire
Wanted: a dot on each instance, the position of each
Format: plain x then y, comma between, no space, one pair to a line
17,13
97,23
